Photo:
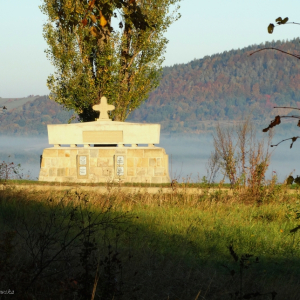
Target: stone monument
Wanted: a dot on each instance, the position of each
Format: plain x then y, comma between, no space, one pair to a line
104,150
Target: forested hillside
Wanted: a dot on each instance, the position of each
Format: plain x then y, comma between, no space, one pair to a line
225,86
32,117
222,87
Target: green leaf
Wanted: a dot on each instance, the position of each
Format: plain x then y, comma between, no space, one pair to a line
278,19
285,20
271,28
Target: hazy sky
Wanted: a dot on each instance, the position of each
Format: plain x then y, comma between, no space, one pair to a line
206,27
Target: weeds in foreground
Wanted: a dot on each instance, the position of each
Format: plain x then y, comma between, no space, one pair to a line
57,239
242,158
243,263
168,245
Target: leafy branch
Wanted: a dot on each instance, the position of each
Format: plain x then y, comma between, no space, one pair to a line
271,27
277,121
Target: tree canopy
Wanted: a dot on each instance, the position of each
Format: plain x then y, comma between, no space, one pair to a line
94,57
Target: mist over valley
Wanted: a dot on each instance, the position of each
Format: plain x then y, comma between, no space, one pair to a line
188,155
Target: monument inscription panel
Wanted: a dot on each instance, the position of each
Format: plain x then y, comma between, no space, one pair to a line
120,171
82,166
120,160
110,136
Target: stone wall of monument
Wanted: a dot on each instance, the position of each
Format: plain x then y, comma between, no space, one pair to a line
92,164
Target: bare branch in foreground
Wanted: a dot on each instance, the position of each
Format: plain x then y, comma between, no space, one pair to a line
271,48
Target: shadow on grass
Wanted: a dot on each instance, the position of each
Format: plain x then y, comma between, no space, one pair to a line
67,246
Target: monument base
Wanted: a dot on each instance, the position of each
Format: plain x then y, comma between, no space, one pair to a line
92,165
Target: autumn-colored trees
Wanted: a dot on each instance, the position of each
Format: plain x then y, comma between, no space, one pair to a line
226,86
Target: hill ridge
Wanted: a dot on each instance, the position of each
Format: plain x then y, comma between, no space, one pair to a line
223,87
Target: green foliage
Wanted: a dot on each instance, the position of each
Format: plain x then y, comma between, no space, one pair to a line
59,244
94,60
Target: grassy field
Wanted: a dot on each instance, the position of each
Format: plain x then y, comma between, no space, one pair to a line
71,245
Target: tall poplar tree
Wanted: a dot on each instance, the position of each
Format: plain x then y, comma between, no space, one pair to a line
93,57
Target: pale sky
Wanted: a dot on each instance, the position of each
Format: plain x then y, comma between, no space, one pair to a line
205,28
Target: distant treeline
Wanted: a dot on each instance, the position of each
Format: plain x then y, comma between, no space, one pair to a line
191,97
32,118
225,86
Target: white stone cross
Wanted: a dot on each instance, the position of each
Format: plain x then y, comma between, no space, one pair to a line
103,107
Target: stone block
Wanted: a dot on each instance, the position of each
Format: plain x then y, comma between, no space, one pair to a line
44,172
94,153
130,162
93,161
64,152
106,152
73,172
73,161
135,152
83,151
59,162
54,162
61,172
66,162
67,171
47,162
50,153
159,172
73,152
137,179
105,162
142,162
153,153
52,172
61,153
108,171
141,171
156,180
121,151
103,131
150,171
159,162
152,162
131,172
96,171
43,163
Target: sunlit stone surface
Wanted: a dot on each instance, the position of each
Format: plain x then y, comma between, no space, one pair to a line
110,159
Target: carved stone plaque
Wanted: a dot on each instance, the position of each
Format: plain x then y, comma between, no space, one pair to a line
82,171
100,137
120,171
82,166
120,160
82,160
